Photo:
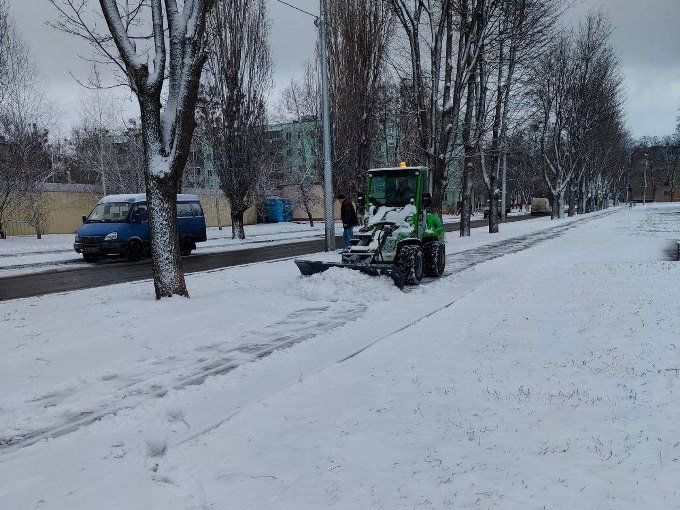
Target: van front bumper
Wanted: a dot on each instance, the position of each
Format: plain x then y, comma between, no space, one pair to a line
101,249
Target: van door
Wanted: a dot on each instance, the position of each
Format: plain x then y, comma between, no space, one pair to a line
140,224
199,222
185,219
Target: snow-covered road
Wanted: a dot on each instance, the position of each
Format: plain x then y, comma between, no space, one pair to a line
542,377
26,254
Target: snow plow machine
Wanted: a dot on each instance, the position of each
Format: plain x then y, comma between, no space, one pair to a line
396,237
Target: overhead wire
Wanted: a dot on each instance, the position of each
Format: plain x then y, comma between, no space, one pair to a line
298,9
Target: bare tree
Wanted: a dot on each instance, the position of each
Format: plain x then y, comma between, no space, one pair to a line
301,100
26,113
576,91
519,30
446,41
171,51
239,74
8,179
5,35
98,120
357,41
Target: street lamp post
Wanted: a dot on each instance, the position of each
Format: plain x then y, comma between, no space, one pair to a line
327,167
644,183
329,213
504,187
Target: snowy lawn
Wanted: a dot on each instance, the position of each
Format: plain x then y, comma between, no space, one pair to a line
545,378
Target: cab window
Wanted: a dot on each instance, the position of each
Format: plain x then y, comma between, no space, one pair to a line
142,211
198,211
184,210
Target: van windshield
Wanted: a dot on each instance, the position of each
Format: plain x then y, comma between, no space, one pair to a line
113,212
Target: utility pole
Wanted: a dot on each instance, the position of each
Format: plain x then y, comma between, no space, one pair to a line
504,184
644,184
329,213
327,167
101,159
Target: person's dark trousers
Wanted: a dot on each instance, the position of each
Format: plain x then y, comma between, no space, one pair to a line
347,234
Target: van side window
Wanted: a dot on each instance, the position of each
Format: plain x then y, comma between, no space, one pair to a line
143,213
184,210
198,211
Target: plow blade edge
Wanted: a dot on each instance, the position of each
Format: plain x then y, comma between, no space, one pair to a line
310,267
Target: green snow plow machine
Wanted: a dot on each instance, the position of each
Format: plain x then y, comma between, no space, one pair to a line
396,237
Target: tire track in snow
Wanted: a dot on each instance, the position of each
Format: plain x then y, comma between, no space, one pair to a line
170,373
460,261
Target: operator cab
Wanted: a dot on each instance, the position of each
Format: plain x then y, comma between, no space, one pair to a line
398,187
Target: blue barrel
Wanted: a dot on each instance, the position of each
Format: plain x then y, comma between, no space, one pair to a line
287,209
274,210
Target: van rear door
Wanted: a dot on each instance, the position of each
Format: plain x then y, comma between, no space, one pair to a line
190,221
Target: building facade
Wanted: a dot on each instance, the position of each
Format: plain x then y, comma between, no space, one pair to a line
655,174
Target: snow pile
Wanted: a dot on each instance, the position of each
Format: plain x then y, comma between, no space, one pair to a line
338,284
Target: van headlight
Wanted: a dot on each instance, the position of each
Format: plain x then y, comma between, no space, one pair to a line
111,236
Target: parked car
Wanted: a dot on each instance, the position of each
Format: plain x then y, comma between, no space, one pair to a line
540,207
119,225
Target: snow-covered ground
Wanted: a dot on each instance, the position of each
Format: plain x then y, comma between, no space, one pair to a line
544,378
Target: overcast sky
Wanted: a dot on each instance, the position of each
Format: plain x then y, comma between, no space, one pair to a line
647,36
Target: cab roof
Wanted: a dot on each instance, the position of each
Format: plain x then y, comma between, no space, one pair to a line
397,169
134,198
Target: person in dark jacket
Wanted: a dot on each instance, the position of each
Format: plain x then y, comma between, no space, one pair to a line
349,219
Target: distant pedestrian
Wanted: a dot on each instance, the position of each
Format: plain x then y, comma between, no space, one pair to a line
349,219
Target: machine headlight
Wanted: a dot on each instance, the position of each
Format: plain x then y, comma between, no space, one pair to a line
111,236
77,238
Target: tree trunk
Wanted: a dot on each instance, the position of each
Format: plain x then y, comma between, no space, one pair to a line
493,204
168,275
466,184
572,199
237,224
311,218
466,205
556,199
438,186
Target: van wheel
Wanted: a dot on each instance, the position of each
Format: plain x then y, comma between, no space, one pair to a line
134,251
91,257
186,246
410,263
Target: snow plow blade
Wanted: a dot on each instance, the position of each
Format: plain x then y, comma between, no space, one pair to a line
310,267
